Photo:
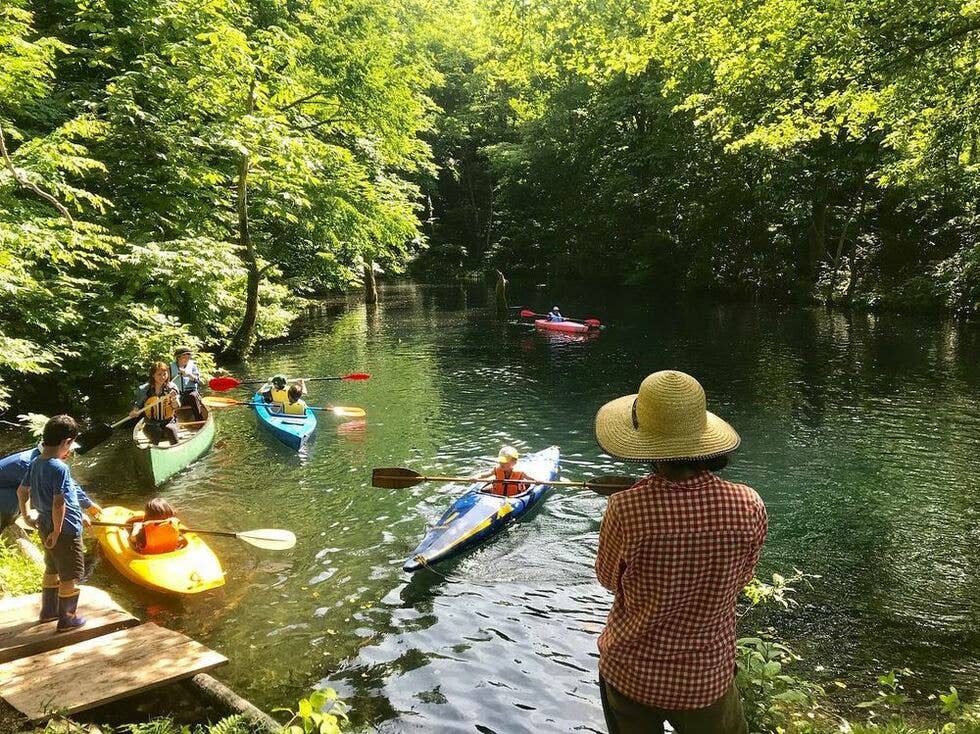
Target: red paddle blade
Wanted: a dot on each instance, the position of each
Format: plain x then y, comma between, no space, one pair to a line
525,314
594,323
357,376
223,383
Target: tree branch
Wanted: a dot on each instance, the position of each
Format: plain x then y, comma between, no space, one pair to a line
29,185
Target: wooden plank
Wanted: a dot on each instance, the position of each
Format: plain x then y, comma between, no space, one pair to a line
22,635
103,669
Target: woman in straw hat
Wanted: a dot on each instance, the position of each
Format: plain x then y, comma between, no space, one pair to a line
675,549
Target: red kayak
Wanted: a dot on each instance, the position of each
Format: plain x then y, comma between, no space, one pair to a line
568,327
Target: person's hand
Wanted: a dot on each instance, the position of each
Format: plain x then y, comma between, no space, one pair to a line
86,521
52,540
94,511
31,518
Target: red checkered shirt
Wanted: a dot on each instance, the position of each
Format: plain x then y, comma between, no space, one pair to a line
676,554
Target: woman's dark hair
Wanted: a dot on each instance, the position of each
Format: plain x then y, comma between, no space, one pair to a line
295,392
156,367
57,429
158,509
712,463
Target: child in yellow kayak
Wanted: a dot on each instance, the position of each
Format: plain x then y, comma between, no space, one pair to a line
159,530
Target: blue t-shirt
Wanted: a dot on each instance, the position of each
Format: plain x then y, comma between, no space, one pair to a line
50,477
13,473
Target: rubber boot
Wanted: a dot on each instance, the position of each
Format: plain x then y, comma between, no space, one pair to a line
68,618
49,604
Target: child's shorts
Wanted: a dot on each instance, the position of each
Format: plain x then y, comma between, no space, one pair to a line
67,558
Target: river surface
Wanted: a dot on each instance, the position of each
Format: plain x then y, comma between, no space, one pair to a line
861,433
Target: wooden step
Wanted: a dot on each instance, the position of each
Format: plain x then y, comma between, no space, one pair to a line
101,670
22,635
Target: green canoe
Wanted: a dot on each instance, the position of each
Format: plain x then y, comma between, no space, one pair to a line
162,461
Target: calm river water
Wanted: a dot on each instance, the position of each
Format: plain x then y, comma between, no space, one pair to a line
861,433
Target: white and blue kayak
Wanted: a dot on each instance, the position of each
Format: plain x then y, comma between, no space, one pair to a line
478,515
293,430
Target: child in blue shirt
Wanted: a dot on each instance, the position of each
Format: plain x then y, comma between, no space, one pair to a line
13,468
59,503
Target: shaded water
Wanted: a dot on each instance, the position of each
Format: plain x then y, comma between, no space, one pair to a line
861,433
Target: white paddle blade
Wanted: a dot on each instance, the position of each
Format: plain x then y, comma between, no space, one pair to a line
269,538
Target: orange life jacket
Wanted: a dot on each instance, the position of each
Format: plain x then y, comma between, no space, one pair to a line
161,536
507,488
162,410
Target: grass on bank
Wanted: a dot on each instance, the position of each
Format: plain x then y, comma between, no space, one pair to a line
18,573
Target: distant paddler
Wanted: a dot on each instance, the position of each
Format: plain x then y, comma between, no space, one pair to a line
187,377
555,315
157,400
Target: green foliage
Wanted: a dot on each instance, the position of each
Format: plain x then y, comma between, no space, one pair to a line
18,573
779,148
176,164
322,713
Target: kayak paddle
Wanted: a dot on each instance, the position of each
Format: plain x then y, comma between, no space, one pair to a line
346,411
594,323
399,478
221,384
88,440
267,538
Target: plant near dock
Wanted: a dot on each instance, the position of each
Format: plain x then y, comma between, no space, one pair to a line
322,713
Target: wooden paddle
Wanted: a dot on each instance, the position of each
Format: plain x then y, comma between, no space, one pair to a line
267,538
88,440
593,323
400,478
221,384
346,411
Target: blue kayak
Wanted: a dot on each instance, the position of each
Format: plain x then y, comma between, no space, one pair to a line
478,516
292,430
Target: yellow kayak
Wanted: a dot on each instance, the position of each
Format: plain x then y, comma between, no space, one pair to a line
190,569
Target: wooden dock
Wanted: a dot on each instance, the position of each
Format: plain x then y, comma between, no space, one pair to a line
43,672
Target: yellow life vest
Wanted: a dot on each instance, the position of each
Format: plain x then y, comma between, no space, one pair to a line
297,408
162,410
279,396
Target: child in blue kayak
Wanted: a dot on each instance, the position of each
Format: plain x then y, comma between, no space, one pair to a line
555,315
60,504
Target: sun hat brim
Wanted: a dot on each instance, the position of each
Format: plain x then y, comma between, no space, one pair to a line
618,436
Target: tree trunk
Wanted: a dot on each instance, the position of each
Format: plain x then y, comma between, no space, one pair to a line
244,339
500,295
370,285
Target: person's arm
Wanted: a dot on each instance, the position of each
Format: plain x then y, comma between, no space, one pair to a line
139,400
58,519
748,571
23,497
609,558
91,508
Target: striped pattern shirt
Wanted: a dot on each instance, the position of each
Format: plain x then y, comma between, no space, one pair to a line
676,555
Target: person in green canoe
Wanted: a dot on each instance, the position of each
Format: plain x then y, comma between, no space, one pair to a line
187,377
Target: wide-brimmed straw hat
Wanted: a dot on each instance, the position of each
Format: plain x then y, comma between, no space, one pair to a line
666,420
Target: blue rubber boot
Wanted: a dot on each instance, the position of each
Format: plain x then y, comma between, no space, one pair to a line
68,618
49,604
